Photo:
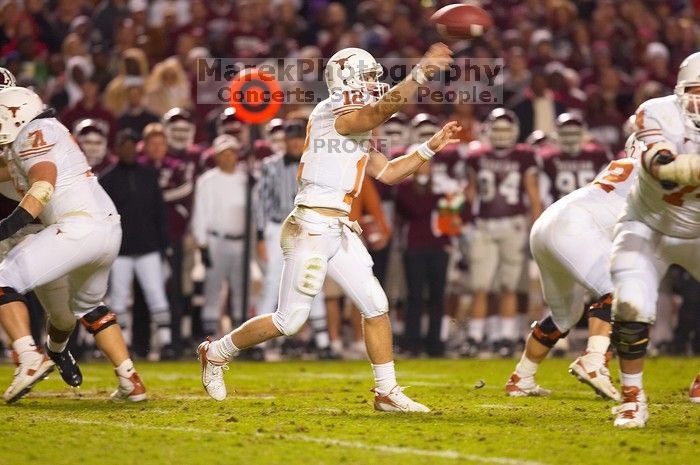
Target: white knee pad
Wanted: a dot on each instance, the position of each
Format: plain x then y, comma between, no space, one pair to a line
633,302
290,322
379,303
313,273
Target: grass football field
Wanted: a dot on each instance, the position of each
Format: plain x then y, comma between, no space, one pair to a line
308,413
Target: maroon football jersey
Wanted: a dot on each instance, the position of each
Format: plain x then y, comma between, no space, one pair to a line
566,172
500,176
448,170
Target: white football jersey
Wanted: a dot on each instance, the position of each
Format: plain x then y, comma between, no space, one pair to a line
76,189
674,212
605,197
333,166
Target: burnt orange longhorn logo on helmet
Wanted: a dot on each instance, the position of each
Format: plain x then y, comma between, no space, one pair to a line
341,62
14,110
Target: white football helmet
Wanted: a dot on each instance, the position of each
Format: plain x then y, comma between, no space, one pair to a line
91,135
355,68
423,127
394,133
18,106
570,133
179,128
689,76
502,128
7,79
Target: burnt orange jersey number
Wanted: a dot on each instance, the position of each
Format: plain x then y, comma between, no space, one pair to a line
617,171
38,137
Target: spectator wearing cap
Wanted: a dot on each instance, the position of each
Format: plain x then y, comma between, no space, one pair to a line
218,226
137,196
135,117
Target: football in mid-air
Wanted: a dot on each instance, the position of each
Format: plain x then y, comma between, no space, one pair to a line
461,21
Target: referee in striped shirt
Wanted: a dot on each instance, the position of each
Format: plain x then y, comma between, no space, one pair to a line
275,192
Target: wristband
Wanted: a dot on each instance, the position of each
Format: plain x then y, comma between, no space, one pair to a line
418,75
424,152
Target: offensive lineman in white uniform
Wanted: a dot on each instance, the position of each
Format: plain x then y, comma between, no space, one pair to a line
318,238
80,239
571,243
660,226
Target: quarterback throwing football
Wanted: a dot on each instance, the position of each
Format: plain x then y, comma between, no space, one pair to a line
317,237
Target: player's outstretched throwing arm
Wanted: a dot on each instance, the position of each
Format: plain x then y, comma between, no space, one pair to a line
437,58
42,179
396,170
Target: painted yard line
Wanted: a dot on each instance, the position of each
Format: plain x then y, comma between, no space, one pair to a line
93,395
446,454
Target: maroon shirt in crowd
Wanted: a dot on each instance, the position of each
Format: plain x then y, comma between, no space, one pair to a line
79,112
417,205
500,178
567,172
177,193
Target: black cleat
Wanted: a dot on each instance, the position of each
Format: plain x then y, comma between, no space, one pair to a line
67,366
169,352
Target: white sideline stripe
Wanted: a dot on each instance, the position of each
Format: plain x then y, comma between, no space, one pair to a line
360,376
502,406
445,454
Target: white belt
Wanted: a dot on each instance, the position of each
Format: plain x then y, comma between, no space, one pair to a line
308,214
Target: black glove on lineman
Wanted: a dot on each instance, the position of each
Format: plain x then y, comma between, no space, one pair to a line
18,219
204,253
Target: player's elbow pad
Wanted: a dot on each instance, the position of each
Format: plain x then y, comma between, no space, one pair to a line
683,170
41,191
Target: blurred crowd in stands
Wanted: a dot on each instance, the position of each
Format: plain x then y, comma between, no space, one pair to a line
201,192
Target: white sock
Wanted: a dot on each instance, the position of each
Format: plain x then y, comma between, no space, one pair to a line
337,346
597,347
493,328
526,367
24,344
56,347
164,335
223,349
476,329
598,344
126,369
384,377
634,380
321,339
509,328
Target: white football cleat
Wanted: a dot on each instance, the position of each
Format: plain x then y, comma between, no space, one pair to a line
633,412
694,393
131,389
589,370
32,367
396,401
524,387
212,373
